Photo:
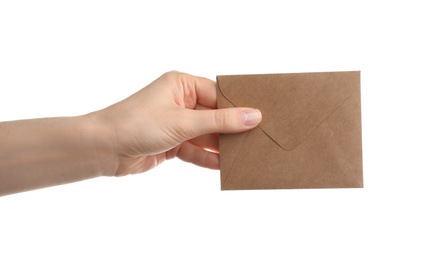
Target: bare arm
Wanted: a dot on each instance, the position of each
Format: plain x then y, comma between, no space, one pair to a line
44,152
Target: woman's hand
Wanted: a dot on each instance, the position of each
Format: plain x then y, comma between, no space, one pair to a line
175,115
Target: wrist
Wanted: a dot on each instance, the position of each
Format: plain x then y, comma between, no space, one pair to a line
98,134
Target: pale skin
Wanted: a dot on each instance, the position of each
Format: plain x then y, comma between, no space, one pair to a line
174,116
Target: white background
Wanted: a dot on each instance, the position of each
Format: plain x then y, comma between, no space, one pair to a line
64,58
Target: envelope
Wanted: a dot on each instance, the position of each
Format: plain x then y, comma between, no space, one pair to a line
309,137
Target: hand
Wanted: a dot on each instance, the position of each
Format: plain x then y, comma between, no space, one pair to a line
175,115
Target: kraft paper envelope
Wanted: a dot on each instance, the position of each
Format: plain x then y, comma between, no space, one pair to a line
309,137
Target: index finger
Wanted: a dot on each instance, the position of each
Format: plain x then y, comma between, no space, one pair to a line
205,89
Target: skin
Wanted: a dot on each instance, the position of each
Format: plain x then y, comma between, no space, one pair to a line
174,116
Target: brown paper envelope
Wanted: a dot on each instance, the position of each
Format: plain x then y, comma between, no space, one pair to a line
309,137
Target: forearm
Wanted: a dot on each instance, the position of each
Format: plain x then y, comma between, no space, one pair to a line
44,152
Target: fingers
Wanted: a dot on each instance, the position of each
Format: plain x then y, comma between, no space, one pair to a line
228,120
209,141
189,152
204,88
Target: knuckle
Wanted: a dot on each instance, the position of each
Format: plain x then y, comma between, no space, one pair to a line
223,119
171,74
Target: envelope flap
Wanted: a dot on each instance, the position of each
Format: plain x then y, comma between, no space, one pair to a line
294,104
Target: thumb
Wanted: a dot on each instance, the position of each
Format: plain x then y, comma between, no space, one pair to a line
227,120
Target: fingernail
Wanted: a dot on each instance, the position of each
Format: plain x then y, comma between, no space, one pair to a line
250,117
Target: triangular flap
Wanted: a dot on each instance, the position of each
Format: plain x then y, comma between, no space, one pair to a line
294,104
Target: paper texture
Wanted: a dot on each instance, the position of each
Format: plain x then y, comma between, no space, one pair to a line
310,135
